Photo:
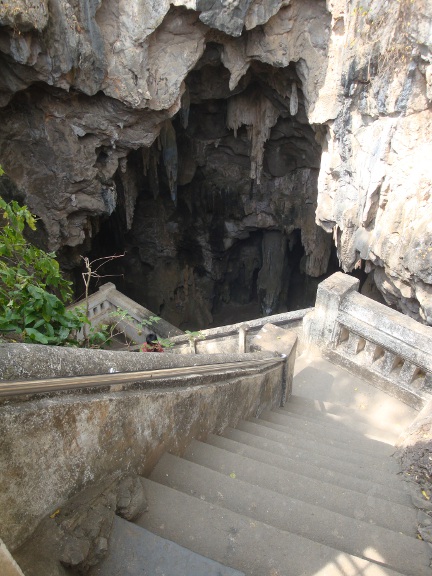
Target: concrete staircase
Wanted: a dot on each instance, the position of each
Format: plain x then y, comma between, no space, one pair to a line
310,489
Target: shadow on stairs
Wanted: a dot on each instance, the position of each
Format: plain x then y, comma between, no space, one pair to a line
308,489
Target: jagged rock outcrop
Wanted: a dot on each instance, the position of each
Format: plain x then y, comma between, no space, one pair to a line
128,112
375,181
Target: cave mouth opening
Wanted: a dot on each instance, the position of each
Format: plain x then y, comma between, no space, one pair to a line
217,217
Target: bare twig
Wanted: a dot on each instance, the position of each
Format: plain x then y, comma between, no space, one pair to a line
90,273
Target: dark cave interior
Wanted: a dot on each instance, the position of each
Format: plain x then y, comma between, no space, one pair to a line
217,218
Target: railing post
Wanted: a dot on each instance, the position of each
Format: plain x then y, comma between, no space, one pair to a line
321,326
408,372
388,362
285,376
369,352
352,344
243,330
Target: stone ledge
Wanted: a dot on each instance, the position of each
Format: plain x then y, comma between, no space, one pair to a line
24,361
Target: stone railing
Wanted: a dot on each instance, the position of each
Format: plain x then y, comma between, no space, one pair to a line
385,347
108,299
84,429
238,337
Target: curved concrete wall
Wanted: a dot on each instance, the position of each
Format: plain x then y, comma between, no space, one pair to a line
53,447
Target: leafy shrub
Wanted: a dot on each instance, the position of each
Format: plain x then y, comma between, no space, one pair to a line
33,293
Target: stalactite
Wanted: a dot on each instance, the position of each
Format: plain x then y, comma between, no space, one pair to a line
294,100
150,158
259,116
145,154
170,156
185,107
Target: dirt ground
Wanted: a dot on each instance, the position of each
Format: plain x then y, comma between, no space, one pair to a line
415,456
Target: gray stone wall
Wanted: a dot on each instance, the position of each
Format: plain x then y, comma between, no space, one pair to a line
53,447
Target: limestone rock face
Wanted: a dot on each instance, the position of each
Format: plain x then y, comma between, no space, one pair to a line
375,180
111,107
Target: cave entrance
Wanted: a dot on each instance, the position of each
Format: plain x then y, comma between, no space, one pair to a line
217,218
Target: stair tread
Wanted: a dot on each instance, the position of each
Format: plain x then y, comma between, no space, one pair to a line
338,432
329,496
266,451
335,421
325,405
322,460
134,550
335,452
359,416
233,540
337,438
375,543
320,379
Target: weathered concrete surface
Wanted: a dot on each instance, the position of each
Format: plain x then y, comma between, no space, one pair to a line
381,345
52,448
320,323
76,536
227,338
135,324
31,361
331,391
134,550
275,339
379,416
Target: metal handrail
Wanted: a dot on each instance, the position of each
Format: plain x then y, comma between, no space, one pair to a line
20,387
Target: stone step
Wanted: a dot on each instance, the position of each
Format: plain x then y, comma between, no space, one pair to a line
134,551
356,418
339,435
321,460
335,422
314,446
329,496
275,454
374,543
253,547
353,445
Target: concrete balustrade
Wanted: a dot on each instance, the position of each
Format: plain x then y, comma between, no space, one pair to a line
235,338
107,300
387,348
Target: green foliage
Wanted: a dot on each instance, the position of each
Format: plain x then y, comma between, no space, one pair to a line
123,315
194,335
165,342
33,292
101,336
